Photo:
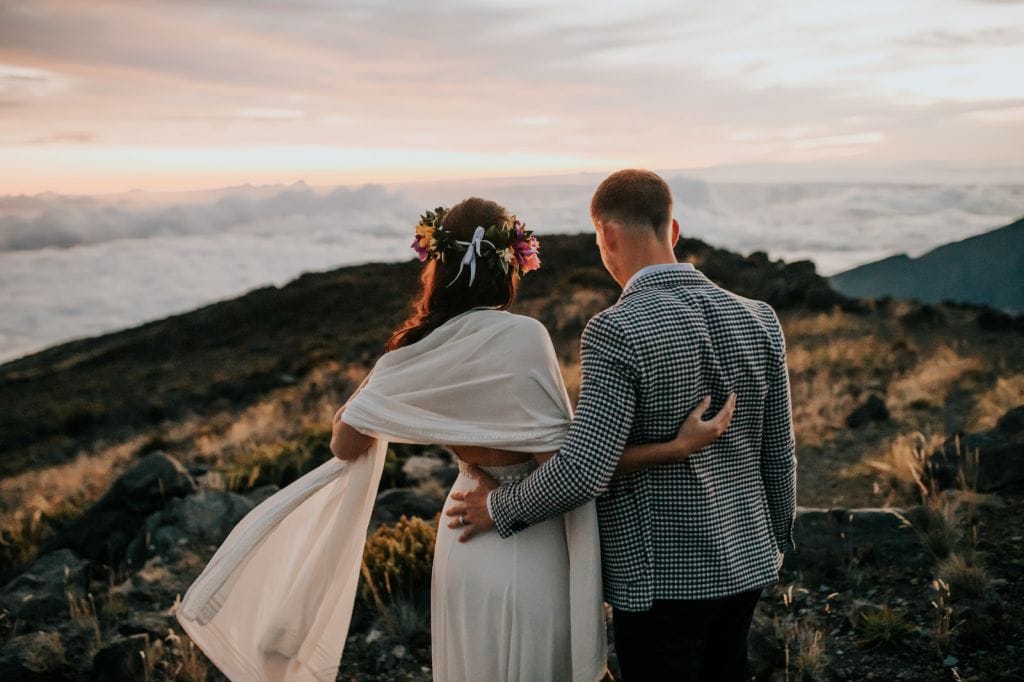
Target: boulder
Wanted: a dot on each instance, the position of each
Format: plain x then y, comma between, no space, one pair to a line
203,518
126,659
104,531
392,504
832,538
999,466
34,656
873,409
420,468
39,594
257,495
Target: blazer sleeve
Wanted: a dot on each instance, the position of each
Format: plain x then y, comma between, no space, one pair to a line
778,446
583,466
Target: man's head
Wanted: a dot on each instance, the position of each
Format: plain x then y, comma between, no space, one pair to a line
632,213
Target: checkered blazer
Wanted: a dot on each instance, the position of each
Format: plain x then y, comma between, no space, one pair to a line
714,524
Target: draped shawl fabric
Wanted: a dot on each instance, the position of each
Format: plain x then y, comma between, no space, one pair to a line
275,600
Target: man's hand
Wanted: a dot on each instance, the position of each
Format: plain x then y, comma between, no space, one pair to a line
470,511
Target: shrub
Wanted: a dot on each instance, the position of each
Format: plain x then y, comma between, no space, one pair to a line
281,462
396,572
883,626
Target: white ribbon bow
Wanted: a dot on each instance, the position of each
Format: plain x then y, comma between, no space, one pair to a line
472,251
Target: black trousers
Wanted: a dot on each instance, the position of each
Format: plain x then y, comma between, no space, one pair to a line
683,640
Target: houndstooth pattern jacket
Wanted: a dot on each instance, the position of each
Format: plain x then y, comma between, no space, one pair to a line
714,524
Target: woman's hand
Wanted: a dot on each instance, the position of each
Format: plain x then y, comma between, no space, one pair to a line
696,433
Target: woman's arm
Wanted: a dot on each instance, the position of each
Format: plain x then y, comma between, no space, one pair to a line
347,443
694,434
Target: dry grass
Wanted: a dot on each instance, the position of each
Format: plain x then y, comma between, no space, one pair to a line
884,626
187,665
964,574
1007,393
931,380
396,570
823,324
805,652
83,613
902,467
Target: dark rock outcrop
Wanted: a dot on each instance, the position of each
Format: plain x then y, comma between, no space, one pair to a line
833,538
34,657
39,594
992,460
105,530
203,518
873,409
393,504
126,659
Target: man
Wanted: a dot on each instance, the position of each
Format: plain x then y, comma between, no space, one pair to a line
686,547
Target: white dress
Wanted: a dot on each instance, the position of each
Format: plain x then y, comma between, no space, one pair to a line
275,601
500,608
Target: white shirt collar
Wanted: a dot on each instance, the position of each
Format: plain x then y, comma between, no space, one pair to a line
660,267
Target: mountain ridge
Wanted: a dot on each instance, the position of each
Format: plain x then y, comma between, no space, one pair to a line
986,269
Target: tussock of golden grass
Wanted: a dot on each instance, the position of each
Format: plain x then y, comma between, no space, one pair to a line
884,626
932,378
187,665
1007,393
964,573
902,466
811,661
396,568
83,612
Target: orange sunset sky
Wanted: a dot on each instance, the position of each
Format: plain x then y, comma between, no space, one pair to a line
100,96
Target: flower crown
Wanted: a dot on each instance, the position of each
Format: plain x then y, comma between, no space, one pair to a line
513,248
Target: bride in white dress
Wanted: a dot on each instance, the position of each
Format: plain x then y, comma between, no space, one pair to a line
274,602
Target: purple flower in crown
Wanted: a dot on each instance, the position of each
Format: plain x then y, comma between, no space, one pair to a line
525,246
423,242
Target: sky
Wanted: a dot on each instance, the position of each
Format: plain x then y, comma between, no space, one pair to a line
104,97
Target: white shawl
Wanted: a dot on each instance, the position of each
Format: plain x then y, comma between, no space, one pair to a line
275,600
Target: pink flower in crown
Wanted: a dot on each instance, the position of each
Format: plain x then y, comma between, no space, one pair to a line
423,242
525,248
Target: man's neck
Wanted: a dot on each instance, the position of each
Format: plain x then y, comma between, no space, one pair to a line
637,264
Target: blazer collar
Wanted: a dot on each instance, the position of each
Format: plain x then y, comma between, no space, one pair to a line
659,276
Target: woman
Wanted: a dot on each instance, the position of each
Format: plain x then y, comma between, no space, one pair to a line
275,600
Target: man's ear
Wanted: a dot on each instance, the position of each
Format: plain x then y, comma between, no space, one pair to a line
609,234
675,232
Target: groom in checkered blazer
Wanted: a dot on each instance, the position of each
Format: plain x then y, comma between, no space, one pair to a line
686,547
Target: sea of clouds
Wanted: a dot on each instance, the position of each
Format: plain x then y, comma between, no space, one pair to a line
76,266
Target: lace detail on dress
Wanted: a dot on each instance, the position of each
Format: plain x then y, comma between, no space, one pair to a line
505,474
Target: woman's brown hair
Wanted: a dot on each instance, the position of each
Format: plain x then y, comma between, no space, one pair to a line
436,302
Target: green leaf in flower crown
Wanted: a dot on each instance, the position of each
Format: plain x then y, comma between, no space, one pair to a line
503,263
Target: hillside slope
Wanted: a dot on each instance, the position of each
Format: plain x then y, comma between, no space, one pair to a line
231,353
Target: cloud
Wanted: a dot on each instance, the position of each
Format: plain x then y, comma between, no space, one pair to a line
73,266
62,222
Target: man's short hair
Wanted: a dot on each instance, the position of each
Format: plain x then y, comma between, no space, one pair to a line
635,198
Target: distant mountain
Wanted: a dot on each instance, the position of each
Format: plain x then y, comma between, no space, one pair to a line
987,269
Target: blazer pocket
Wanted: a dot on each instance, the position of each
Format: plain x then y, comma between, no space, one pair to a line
622,543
